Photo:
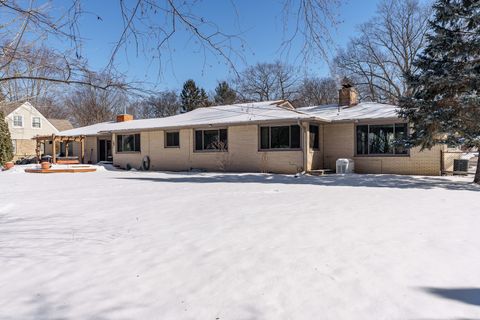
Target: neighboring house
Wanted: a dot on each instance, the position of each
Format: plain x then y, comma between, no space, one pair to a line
267,136
25,122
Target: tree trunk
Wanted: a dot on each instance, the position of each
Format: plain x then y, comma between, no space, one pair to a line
477,173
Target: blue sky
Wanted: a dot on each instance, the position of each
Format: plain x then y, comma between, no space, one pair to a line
261,24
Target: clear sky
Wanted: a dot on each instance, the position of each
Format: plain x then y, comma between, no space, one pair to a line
261,24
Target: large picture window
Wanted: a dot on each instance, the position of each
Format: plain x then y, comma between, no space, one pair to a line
381,139
128,143
172,140
314,137
211,140
280,137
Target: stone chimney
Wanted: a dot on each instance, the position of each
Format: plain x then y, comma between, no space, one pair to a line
347,95
124,117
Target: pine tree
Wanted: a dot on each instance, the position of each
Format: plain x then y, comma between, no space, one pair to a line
6,148
193,97
204,102
224,94
445,102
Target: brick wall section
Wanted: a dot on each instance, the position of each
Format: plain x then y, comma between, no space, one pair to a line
340,143
242,155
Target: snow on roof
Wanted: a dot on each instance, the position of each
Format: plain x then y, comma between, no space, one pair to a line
364,110
244,113
215,115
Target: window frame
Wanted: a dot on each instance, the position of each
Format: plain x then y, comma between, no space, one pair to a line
165,143
379,155
39,123
22,119
134,143
312,147
203,150
14,146
270,149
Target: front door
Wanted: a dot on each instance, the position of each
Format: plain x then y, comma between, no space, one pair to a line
104,150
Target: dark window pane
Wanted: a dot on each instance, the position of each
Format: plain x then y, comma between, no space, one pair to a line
400,137
362,139
119,143
223,145
128,143
314,137
198,140
210,139
381,139
295,137
173,139
280,137
264,138
137,143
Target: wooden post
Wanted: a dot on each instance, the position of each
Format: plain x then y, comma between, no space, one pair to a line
37,149
66,148
54,149
82,149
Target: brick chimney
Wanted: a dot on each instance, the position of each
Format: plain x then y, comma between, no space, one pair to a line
124,117
347,95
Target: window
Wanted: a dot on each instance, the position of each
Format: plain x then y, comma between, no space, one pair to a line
281,137
36,122
128,143
14,145
213,140
18,121
172,140
381,139
314,137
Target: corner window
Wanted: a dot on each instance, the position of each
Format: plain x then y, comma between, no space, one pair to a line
128,143
36,122
172,140
211,140
280,137
381,139
314,137
18,121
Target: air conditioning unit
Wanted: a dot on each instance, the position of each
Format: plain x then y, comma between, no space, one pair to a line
345,166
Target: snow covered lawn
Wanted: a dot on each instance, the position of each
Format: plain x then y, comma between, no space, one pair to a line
146,245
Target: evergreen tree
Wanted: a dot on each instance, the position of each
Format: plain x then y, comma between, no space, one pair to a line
204,102
6,148
445,102
224,94
193,97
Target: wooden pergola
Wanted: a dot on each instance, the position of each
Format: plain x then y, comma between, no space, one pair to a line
66,139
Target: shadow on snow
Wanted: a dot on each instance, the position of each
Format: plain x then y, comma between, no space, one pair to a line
371,180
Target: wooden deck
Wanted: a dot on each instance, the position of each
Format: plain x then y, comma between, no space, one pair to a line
76,169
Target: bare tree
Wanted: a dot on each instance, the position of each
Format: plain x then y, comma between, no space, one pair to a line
316,91
164,104
267,81
90,104
382,54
